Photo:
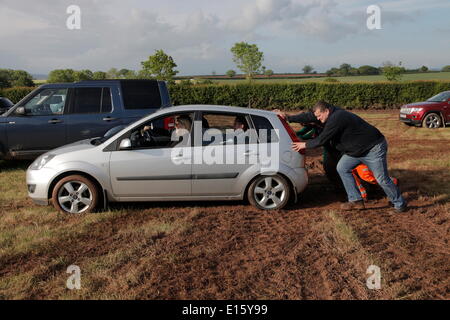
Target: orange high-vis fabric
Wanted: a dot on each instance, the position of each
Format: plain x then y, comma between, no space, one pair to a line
363,172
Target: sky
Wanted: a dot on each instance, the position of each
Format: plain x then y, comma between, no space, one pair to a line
199,34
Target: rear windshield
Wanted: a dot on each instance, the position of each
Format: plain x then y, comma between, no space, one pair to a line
141,94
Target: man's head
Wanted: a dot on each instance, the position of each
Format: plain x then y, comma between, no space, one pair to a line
240,123
322,110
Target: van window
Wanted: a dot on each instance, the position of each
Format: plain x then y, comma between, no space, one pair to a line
91,100
141,94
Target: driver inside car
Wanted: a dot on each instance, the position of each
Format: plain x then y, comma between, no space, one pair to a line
154,135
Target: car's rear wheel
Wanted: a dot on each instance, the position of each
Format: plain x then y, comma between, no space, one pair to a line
432,121
269,192
75,194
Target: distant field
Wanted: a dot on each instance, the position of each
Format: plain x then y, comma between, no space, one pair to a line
406,77
39,82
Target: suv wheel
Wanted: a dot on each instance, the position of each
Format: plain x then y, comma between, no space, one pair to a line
75,194
269,192
432,121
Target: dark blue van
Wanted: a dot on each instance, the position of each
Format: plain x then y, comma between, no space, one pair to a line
57,114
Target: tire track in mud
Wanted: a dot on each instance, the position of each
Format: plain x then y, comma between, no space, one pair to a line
412,248
248,254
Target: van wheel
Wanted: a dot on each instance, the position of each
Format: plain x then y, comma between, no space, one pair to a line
432,121
75,194
269,192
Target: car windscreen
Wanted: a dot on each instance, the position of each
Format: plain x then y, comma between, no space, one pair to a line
441,97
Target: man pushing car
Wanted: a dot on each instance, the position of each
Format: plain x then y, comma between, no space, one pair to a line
359,142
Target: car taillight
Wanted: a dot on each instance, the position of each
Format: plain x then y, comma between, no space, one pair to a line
291,133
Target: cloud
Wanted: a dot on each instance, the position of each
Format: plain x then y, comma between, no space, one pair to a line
119,34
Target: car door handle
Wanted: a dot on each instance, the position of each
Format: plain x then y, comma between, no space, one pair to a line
109,119
54,121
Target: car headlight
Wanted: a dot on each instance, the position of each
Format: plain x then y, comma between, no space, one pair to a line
40,162
416,110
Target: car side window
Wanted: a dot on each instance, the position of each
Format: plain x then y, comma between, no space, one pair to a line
91,100
264,129
163,132
47,102
225,129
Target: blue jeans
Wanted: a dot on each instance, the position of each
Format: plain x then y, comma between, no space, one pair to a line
375,159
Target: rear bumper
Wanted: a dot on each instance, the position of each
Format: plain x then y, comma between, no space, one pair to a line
299,178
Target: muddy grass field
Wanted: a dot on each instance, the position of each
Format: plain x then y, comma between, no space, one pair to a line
229,250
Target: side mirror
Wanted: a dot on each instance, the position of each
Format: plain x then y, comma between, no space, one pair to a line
20,111
125,144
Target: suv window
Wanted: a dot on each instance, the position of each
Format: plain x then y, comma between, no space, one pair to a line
141,94
91,100
265,130
47,102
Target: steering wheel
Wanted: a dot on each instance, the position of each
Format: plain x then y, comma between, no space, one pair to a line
148,136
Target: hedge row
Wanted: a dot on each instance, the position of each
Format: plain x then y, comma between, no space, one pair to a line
303,95
292,96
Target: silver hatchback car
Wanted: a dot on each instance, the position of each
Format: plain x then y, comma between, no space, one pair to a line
194,152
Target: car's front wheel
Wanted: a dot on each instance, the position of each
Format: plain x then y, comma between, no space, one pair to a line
75,194
269,192
432,121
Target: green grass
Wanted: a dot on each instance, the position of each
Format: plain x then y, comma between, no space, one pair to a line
39,81
376,78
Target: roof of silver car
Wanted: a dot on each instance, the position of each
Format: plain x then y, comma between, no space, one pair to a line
207,107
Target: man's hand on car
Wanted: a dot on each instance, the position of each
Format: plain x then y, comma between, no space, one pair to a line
280,113
297,146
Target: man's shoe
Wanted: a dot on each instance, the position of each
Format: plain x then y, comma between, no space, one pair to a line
401,209
353,205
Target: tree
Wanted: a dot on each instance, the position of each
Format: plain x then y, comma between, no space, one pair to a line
368,70
446,69
99,75
61,75
15,78
231,73
21,78
248,58
269,72
112,73
4,79
160,66
392,72
333,72
83,75
423,69
307,69
344,69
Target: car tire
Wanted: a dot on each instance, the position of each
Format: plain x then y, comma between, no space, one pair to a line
269,192
75,194
432,121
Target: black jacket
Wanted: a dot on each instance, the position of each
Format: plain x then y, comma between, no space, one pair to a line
345,130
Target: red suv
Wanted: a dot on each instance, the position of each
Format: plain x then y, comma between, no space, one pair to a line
433,113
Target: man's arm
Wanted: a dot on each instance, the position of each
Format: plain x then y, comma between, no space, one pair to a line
330,130
304,117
